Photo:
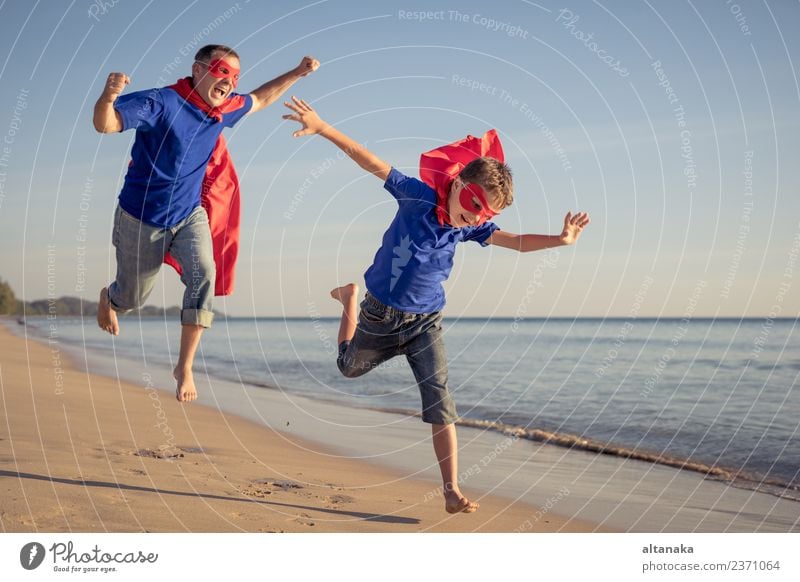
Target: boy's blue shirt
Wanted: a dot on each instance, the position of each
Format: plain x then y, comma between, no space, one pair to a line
174,142
416,255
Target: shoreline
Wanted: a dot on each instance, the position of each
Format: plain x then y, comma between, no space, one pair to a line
96,457
714,470
587,491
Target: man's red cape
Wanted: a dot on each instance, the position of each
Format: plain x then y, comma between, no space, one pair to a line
439,167
220,193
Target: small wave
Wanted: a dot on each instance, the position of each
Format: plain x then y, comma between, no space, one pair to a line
733,477
251,382
736,477
775,366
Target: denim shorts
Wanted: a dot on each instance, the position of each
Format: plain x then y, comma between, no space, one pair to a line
140,249
384,332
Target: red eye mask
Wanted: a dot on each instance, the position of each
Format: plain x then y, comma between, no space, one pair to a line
468,193
222,70
438,168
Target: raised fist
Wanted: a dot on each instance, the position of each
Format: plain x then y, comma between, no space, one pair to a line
307,65
115,84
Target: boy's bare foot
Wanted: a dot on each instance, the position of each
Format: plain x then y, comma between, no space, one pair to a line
186,390
345,293
454,503
107,317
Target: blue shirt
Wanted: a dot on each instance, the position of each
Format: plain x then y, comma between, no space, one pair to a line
174,141
416,256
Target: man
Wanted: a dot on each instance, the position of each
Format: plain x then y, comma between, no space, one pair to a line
179,179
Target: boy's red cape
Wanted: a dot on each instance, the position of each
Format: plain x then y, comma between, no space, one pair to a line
220,193
439,167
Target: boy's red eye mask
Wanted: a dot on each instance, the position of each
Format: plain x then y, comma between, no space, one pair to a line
469,192
222,70
439,167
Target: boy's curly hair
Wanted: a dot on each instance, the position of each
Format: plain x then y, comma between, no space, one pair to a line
494,177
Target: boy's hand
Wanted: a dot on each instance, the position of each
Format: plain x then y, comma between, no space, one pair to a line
306,66
305,115
573,227
115,84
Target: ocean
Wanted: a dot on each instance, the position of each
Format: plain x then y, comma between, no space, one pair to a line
719,397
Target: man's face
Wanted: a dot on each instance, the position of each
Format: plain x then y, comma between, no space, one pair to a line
216,79
468,205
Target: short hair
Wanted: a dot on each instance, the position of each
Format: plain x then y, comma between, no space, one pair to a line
494,177
206,53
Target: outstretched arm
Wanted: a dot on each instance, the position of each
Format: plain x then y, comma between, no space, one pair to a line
271,91
525,243
106,118
312,124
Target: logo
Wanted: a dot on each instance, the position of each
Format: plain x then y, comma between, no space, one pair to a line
31,555
402,254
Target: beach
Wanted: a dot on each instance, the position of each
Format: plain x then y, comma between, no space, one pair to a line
94,441
86,453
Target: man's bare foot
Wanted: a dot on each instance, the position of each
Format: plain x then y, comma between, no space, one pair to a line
345,293
107,317
186,391
456,503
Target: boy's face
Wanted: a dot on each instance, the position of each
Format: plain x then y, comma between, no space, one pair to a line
468,205
215,80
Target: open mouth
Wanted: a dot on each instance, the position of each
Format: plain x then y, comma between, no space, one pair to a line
218,92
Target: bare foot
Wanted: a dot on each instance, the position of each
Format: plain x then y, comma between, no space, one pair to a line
345,293
186,391
107,317
457,503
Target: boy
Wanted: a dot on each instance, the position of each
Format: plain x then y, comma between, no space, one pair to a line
401,313
179,160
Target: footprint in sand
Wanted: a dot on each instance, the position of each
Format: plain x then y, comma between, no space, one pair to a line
336,500
283,484
263,487
303,519
255,491
162,452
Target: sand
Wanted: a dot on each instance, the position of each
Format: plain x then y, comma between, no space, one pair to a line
87,453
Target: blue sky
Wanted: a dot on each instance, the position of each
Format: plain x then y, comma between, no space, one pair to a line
675,125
